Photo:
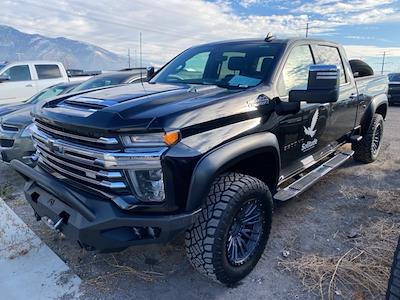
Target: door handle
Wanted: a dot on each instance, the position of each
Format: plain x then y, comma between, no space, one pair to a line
353,96
29,85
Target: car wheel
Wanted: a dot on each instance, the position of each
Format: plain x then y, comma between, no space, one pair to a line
367,150
229,236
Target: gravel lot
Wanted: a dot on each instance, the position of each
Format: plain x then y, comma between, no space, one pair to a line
318,222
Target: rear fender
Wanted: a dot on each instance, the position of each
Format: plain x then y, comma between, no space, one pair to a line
378,104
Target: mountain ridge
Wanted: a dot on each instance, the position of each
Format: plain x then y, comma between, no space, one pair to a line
18,45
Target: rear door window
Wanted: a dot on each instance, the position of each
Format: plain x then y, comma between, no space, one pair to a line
48,71
328,55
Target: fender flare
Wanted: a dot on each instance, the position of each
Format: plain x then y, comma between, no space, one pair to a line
222,158
371,110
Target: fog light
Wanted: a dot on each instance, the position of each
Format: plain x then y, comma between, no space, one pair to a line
148,185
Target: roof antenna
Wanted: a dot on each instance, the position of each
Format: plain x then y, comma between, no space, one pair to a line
269,37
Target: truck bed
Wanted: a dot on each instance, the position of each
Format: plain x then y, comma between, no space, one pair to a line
371,86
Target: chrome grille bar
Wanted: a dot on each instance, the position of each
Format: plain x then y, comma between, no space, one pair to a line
101,140
108,184
101,158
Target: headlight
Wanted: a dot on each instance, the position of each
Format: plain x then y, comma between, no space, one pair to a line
148,184
27,132
147,179
161,139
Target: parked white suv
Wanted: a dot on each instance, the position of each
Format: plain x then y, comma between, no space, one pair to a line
21,80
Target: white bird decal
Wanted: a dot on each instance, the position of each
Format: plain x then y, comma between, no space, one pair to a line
311,131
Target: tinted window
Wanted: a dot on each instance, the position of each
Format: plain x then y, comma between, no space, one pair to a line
228,65
48,93
394,77
327,55
97,82
18,73
48,71
193,69
295,71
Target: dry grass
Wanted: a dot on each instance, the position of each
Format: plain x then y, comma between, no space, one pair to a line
383,200
387,201
361,272
6,191
102,281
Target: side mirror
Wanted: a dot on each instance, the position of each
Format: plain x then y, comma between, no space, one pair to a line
4,78
150,73
323,86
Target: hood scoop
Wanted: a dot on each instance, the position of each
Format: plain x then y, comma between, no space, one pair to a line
89,103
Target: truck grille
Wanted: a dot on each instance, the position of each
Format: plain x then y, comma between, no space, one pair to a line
68,156
58,132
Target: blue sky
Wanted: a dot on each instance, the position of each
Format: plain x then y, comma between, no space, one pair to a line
367,28
378,31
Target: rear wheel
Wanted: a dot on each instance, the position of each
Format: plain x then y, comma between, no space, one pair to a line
367,150
229,237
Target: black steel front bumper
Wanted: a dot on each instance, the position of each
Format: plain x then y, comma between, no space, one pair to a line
96,223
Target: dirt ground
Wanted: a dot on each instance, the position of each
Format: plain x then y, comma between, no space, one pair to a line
322,222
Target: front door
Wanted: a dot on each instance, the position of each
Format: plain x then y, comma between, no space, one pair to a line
300,135
20,87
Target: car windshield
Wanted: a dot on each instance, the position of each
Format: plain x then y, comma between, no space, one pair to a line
394,77
47,93
102,81
230,65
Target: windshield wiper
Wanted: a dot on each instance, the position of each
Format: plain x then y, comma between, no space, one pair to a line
230,86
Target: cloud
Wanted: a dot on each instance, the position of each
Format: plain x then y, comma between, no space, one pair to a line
247,3
168,27
363,51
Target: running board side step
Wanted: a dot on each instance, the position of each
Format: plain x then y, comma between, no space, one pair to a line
309,179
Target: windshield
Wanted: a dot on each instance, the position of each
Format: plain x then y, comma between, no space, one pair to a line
228,65
47,93
103,81
394,77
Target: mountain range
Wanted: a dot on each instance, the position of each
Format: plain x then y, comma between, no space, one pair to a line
17,45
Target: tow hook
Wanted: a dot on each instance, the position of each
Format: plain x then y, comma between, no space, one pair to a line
58,224
55,226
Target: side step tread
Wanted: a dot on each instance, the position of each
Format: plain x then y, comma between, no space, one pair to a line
309,179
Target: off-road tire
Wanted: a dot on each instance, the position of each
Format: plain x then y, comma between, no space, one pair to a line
206,239
363,150
393,290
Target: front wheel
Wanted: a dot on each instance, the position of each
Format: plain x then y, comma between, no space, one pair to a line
229,236
367,150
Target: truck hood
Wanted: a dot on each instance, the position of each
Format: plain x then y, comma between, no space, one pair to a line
138,106
6,109
20,118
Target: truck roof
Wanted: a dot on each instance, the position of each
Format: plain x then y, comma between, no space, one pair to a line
34,62
271,41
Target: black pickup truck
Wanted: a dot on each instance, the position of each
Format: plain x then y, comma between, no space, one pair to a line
205,146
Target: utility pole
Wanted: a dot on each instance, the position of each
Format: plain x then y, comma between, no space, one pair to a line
19,54
129,58
383,62
141,54
307,28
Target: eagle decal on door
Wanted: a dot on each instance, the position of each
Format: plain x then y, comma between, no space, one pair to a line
311,131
